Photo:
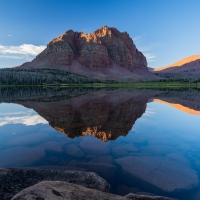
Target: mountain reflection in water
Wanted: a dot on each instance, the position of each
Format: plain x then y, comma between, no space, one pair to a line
159,153
104,113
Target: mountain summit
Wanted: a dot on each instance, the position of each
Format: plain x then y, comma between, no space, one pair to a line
106,53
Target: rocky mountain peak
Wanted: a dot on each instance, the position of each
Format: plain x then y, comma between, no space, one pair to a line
105,31
105,49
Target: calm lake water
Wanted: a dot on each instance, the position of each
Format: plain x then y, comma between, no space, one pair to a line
140,141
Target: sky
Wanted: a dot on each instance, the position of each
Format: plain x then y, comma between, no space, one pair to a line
165,31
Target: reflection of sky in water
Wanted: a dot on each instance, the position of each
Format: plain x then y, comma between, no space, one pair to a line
16,114
163,144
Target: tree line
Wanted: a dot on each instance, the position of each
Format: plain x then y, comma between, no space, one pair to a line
20,76
44,94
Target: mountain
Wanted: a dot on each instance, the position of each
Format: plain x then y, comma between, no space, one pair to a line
105,54
189,65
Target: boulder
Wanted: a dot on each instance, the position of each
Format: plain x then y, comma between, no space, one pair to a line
74,151
158,150
119,152
52,146
130,147
27,139
102,159
14,180
94,146
160,172
145,197
20,156
58,190
179,158
106,171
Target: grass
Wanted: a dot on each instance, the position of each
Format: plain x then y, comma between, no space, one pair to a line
122,85
156,85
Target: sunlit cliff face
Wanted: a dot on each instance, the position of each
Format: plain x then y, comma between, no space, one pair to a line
95,131
98,134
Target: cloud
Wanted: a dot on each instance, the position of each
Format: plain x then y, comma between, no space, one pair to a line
138,38
15,57
9,35
27,118
149,112
24,51
145,49
150,57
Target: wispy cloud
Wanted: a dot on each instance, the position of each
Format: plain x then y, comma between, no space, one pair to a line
16,57
151,57
149,112
138,38
24,51
145,49
9,35
27,118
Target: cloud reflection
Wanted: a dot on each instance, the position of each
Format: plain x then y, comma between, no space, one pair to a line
149,112
26,118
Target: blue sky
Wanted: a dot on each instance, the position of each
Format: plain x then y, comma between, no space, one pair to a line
165,31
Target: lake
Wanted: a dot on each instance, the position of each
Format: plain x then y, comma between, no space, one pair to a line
140,140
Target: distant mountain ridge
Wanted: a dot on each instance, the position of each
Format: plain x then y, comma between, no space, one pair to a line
106,54
189,64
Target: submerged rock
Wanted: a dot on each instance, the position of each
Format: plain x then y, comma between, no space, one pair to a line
93,146
13,181
106,171
119,152
160,172
145,197
102,159
74,151
52,146
57,190
20,156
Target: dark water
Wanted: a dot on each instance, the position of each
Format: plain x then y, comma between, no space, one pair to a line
140,141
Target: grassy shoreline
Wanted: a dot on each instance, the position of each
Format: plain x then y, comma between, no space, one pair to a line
119,85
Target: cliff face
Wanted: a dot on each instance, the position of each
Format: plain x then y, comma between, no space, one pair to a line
95,51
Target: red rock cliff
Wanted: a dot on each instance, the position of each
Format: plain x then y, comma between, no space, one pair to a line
96,51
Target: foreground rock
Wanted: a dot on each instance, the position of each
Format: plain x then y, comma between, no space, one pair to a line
57,190
13,181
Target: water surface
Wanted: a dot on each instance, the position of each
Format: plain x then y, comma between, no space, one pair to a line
140,141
